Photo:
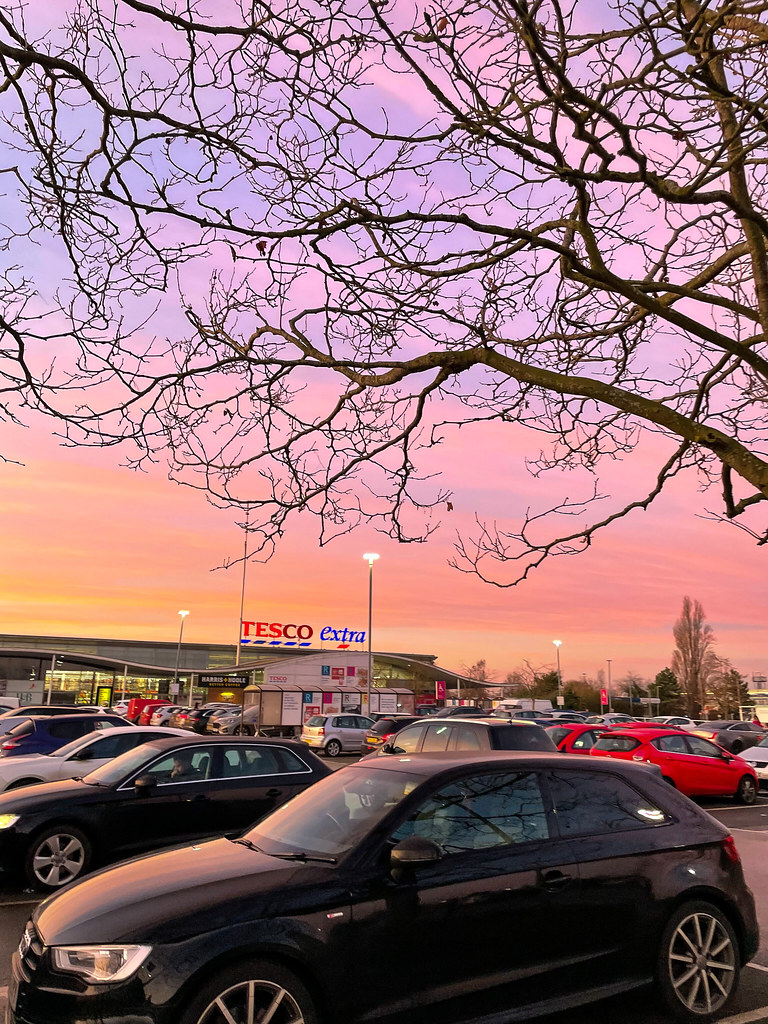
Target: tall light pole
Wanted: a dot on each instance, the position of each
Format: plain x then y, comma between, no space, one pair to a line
370,559
559,674
183,613
242,590
610,707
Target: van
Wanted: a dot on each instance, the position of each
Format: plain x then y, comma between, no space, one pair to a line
137,704
523,704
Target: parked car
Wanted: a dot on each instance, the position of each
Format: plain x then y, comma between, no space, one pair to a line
567,716
236,721
615,879
470,734
179,717
690,763
460,710
612,718
757,758
574,739
733,735
53,709
680,721
333,734
425,709
162,715
383,730
137,704
149,711
197,719
120,707
173,790
79,757
41,735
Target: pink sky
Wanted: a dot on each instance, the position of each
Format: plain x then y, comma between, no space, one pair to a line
95,550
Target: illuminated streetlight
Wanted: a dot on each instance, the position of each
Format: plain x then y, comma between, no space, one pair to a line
557,644
183,613
370,559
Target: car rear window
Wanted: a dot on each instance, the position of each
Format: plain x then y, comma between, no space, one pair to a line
522,737
618,743
592,803
558,734
383,726
315,721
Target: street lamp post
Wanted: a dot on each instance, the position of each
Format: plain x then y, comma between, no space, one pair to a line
557,644
183,613
242,589
370,559
610,705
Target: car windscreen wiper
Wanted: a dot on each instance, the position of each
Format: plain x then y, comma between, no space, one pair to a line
247,843
304,857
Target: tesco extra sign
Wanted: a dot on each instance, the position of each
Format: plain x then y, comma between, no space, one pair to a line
274,634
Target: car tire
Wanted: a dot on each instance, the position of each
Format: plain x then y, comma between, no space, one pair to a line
56,857
698,991
670,782
248,991
332,748
746,791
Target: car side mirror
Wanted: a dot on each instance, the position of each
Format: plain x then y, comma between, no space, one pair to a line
386,748
84,755
145,784
411,854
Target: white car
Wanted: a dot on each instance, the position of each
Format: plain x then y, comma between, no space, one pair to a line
162,715
757,756
79,757
679,720
120,707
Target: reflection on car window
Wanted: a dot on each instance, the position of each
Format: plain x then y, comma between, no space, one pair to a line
468,738
702,747
592,803
408,740
617,743
671,744
244,761
182,766
437,737
584,742
480,812
557,735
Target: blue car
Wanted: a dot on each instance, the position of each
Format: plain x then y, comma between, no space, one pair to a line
41,734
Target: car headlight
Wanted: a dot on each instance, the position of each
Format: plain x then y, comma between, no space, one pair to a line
100,963
6,820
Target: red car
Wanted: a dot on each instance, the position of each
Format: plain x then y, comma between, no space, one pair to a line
574,739
690,763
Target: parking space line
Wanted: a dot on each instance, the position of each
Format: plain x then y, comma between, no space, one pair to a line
746,1018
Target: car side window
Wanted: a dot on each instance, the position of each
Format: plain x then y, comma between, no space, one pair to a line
194,766
64,728
243,761
113,746
584,742
671,744
407,741
290,762
467,738
592,803
703,748
437,737
480,812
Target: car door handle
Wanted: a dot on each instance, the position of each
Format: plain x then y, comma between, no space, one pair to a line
198,798
555,879
274,792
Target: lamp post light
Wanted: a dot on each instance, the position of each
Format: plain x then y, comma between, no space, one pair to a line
557,644
370,559
183,613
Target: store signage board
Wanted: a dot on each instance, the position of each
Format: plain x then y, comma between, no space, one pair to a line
291,634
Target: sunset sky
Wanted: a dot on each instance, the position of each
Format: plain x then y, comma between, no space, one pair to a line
95,550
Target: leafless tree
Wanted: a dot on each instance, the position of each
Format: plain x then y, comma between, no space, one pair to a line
291,249
694,659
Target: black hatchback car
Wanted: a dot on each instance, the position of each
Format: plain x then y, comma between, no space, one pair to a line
490,887
167,791
429,735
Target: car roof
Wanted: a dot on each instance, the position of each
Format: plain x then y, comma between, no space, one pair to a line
194,739
431,763
647,732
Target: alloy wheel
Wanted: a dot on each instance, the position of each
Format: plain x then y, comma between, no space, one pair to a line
702,963
58,859
251,1002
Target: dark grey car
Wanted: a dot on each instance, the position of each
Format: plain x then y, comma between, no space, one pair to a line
733,735
468,734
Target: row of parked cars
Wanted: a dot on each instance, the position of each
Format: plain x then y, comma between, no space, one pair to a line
613,878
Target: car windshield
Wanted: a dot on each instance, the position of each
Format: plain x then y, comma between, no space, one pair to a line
333,815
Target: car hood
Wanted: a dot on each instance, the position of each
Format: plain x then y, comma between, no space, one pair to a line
30,798
757,754
163,897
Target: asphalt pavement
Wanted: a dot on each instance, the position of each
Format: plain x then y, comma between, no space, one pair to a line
748,825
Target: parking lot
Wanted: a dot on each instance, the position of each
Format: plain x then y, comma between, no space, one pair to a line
748,825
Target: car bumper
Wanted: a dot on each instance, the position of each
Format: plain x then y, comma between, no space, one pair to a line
761,770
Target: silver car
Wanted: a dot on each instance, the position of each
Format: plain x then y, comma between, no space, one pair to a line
333,734
235,721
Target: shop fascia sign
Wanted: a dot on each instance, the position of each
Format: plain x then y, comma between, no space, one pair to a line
278,634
